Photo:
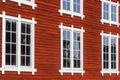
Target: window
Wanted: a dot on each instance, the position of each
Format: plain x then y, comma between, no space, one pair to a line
26,2
110,12
17,44
72,7
109,53
71,50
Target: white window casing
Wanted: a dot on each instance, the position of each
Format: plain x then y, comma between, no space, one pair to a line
109,70
71,12
18,68
71,70
29,3
117,13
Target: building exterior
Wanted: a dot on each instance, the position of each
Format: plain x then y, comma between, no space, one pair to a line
59,40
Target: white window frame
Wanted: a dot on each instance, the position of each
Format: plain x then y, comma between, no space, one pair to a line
117,13
18,68
29,3
71,12
110,71
71,70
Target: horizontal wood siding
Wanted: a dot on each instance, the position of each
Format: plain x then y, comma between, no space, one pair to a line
47,39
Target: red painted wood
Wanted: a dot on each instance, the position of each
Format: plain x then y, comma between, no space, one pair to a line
47,39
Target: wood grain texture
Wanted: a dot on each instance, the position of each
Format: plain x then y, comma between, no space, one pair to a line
47,39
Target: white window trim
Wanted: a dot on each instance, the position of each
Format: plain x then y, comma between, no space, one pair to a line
110,71
61,10
71,70
18,68
109,21
29,3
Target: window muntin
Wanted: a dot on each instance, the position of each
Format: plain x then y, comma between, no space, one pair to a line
76,6
109,53
10,43
110,12
25,43
113,13
71,50
66,5
72,7
66,49
106,11
76,49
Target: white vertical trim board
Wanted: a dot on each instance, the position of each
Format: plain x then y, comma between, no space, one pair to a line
109,21
71,69
29,3
18,68
71,12
109,70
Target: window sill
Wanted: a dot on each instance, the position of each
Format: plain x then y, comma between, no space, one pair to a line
26,3
109,72
72,71
16,69
109,22
71,13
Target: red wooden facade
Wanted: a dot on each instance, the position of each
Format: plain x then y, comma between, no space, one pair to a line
47,39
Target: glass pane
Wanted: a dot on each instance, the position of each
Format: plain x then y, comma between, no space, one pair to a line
68,63
13,26
13,60
23,40
7,48
22,27
22,60
28,50
7,25
28,39
28,28
14,48
13,37
7,36
27,61
64,63
7,60
68,5
22,50
66,54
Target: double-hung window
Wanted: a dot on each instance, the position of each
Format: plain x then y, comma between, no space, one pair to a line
71,50
72,7
26,2
109,53
110,11
17,44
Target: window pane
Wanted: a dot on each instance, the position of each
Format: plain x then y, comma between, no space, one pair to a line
106,11
7,48
7,36
22,50
27,61
22,27
28,28
23,39
13,26
22,61
66,5
76,6
7,60
28,50
13,60
7,25
28,39
14,48
13,37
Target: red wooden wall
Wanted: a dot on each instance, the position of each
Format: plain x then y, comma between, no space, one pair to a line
47,39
